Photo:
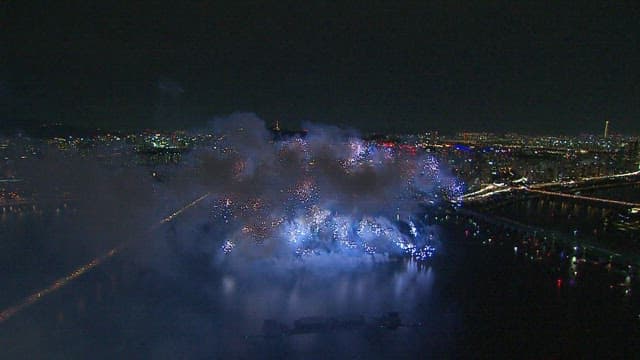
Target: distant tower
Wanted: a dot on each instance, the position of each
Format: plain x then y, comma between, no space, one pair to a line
277,127
606,129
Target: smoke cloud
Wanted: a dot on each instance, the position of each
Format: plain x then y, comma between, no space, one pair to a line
323,192
288,221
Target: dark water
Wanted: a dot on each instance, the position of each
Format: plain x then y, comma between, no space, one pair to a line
472,300
611,228
564,216
627,193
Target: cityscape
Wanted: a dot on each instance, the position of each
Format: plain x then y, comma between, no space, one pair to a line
568,206
319,180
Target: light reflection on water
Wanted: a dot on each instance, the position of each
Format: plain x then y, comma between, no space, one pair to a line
220,311
371,289
335,289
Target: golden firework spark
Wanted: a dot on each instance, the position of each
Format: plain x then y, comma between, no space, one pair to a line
83,269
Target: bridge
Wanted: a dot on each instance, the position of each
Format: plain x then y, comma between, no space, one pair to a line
592,183
584,198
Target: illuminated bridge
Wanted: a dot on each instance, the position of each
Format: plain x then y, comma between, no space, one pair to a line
555,189
584,198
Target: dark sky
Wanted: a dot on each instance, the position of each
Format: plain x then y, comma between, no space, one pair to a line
387,66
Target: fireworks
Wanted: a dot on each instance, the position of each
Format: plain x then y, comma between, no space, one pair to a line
228,246
333,194
326,193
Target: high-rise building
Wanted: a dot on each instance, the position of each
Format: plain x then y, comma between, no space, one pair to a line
606,129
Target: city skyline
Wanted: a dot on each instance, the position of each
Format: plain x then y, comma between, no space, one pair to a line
48,129
319,180
378,241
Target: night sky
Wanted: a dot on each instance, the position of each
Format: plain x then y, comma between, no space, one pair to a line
538,68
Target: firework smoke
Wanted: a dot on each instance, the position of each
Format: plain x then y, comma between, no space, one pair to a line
324,192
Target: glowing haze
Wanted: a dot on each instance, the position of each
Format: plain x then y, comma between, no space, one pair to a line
326,194
327,191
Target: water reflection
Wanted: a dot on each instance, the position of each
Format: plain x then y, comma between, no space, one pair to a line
497,298
288,293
